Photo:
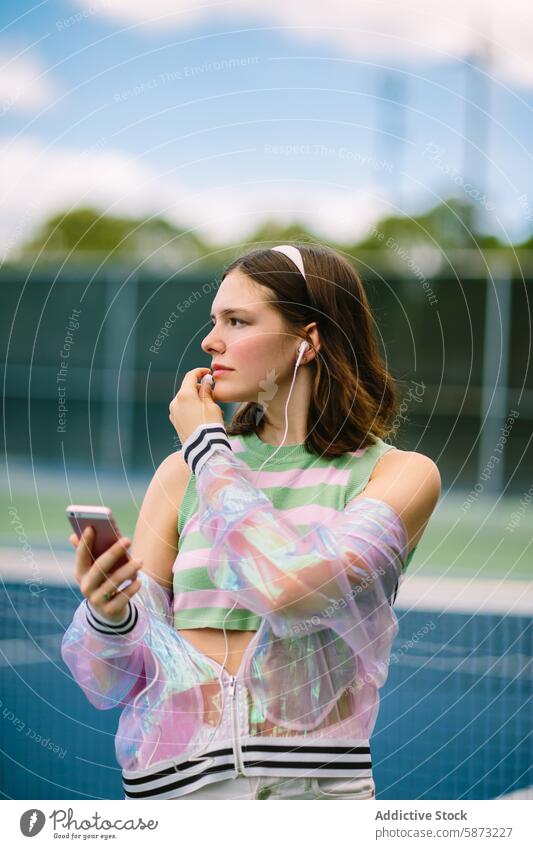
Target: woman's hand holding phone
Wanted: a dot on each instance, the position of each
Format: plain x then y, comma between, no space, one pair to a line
95,578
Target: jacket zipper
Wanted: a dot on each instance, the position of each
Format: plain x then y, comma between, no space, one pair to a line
235,720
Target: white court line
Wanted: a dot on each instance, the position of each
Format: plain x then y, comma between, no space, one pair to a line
38,565
417,592
466,595
524,793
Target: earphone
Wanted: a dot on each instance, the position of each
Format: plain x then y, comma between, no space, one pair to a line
301,351
294,254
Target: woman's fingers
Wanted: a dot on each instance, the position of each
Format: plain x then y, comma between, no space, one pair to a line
91,572
117,605
104,564
94,578
190,381
111,584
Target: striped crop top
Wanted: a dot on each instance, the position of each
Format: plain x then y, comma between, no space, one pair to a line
307,487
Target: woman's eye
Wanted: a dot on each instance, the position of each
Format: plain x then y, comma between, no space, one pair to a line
230,319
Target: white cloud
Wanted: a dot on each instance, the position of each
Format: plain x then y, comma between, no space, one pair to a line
380,30
235,211
24,82
37,183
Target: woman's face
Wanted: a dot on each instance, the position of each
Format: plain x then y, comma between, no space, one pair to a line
251,340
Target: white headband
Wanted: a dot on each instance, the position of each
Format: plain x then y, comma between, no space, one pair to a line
294,254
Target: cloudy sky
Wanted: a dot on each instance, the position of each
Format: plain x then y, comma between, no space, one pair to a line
220,114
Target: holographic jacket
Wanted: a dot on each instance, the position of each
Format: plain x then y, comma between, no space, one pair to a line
305,697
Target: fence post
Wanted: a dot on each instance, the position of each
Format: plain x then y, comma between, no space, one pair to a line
118,397
495,375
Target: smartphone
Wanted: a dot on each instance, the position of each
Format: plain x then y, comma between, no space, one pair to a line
106,530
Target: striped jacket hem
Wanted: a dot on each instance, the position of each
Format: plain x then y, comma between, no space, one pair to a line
106,626
260,756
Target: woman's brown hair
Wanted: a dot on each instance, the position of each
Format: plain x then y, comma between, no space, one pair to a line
353,398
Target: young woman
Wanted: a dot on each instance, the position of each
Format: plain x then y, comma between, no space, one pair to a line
250,647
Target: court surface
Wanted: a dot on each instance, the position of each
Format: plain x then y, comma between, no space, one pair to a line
455,716
454,723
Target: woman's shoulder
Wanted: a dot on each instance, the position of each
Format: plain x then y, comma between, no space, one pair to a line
173,473
398,460
369,454
410,483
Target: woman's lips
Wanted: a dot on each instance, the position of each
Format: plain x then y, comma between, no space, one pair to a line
219,371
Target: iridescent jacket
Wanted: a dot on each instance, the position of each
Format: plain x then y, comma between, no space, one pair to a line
305,697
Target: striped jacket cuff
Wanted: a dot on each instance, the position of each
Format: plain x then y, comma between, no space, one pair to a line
202,443
106,626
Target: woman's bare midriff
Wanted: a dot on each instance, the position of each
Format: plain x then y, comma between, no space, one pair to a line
211,642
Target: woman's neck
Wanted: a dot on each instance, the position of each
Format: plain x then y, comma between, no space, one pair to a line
273,436
272,428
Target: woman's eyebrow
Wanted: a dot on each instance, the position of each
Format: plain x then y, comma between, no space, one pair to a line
230,310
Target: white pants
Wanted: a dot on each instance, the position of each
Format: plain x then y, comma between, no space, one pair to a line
279,787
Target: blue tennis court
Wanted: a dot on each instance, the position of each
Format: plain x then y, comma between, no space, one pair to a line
455,718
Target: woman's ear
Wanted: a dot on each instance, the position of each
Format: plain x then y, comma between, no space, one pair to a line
314,337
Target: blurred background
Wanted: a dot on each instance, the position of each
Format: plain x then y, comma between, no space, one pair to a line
141,150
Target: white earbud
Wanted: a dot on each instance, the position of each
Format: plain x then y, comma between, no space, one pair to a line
303,348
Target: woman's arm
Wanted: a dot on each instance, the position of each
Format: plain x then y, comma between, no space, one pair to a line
410,483
106,658
342,575
156,538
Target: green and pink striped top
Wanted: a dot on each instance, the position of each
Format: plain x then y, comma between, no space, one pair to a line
307,488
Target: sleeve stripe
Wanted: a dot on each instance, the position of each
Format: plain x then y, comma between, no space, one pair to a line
110,628
101,620
201,443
